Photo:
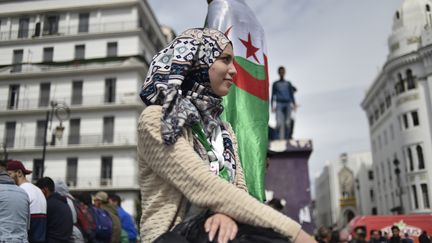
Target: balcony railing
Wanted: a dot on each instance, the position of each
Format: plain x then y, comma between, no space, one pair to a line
31,142
67,30
97,182
73,101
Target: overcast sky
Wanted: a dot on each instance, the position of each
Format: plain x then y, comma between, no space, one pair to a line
332,51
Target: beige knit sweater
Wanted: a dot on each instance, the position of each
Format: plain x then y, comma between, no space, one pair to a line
170,176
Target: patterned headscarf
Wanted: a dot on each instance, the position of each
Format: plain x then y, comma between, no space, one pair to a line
178,80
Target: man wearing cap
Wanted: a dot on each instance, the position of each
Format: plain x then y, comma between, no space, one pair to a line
101,201
38,206
14,205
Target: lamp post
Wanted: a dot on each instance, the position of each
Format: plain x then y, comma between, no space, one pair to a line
398,179
62,112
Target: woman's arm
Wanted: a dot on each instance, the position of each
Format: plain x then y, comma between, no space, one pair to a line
180,166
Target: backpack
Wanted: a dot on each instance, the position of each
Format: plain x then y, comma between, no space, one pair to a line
104,225
85,220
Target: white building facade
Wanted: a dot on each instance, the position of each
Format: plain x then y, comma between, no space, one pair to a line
399,109
344,190
90,56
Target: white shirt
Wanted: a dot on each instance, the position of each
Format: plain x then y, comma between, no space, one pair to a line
38,203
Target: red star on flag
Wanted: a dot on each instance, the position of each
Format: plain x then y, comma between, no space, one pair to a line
250,49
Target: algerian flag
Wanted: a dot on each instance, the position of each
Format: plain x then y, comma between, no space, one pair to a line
246,106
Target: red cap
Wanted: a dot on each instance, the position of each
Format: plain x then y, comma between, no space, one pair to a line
17,165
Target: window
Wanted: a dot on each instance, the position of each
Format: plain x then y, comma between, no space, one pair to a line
48,54
71,171
108,129
414,191
38,168
17,60
44,94
405,121
79,52
83,22
425,195
370,175
379,142
427,8
374,211
410,80
40,133
51,25
112,49
382,108
77,88
371,120
10,134
414,115
372,195
410,159
421,164
388,100
13,97
391,132
110,90
106,171
23,28
389,170
74,131
397,15
385,137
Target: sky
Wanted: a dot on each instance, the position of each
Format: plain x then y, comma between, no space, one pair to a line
332,51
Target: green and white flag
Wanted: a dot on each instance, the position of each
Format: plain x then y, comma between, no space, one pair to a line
246,106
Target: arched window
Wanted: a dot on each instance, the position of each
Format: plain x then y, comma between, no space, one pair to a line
410,159
399,86
410,79
427,8
397,15
421,164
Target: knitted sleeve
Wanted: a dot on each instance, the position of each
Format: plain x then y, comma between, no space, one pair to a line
180,166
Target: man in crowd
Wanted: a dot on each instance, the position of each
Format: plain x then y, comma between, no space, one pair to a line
424,238
14,209
283,103
101,201
59,216
407,239
395,235
126,219
38,206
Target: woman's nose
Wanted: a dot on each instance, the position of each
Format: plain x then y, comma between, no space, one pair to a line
232,69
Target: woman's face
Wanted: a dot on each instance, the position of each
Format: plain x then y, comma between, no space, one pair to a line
222,71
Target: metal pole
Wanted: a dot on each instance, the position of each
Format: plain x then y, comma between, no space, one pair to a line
400,194
45,142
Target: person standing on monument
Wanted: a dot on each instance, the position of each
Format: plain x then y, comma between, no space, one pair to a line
283,103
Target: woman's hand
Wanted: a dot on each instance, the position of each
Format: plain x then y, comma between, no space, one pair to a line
224,225
304,237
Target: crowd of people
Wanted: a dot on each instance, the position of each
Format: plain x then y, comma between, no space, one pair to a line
46,212
327,235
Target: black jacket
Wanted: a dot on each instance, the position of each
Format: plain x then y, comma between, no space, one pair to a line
59,219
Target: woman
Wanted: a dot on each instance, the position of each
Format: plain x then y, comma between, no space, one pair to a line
187,156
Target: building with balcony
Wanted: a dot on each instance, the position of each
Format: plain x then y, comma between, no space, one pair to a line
344,190
398,105
88,55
